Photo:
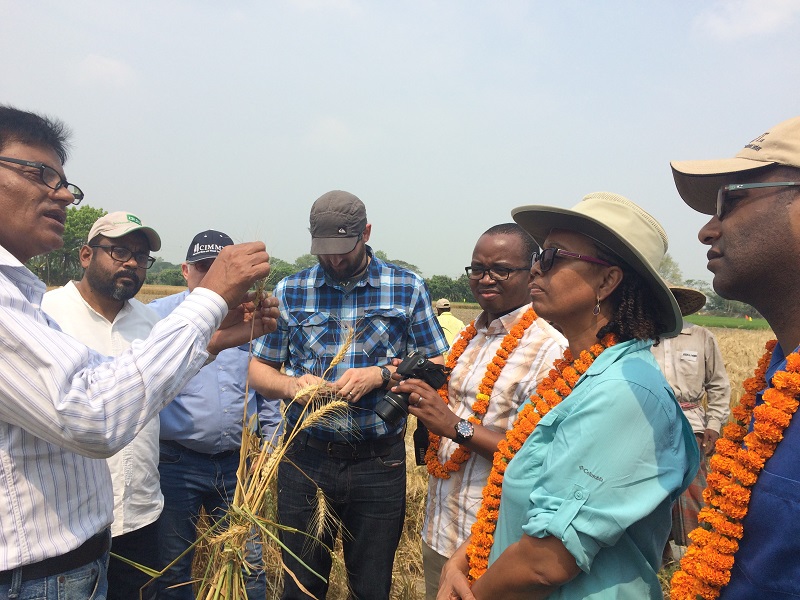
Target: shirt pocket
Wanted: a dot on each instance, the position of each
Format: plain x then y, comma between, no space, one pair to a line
383,333
312,332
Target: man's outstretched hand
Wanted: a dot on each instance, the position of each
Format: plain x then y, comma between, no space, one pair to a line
248,320
236,269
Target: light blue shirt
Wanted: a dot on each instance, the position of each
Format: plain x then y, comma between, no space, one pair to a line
600,472
207,415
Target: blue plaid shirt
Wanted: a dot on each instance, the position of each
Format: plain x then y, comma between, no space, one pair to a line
390,313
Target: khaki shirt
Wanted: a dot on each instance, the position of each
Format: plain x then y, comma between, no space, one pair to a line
693,366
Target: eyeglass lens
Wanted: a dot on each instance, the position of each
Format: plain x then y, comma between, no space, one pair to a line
545,258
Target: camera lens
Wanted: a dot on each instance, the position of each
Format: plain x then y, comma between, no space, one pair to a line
392,407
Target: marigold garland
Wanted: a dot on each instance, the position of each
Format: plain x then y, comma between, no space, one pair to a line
733,470
482,398
551,391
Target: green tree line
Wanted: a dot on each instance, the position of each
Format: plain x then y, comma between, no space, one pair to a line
60,266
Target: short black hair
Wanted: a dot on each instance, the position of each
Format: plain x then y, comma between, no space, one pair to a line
529,246
36,130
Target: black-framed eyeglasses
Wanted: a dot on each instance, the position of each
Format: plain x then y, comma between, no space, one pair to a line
727,198
203,266
123,255
496,273
49,176
547,257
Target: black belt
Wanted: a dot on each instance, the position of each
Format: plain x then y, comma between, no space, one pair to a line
89,551
349,450
217,456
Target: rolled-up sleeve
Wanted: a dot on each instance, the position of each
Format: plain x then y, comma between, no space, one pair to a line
605,464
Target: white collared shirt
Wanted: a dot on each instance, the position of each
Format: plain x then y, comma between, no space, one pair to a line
63,406
134,469
453,503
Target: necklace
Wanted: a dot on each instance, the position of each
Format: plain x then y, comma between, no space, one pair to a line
733,470
551,391
482,398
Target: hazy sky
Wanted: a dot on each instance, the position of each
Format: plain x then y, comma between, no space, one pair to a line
440,116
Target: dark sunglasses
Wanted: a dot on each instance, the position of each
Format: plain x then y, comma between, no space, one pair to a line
727,198
547,257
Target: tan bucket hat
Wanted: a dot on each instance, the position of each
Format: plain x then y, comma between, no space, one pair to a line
689,299
623,227
699,180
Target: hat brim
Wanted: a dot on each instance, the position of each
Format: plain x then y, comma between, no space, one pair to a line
333,245
153,239
689,300
539,221
698,181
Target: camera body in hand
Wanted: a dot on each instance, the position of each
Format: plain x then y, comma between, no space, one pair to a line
394,406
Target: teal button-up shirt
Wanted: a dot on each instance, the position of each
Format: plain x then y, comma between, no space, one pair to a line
600,472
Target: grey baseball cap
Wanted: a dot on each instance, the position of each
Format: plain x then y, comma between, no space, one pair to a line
337,220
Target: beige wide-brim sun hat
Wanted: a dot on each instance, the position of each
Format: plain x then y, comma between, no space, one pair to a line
622,227
698,181
689,299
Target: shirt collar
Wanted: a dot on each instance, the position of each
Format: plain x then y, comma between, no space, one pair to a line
501,324
372,274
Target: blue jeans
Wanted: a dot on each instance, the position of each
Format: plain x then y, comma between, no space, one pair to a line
84,583
190,480
367,496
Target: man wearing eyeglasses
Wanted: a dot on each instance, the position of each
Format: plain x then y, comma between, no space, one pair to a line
355,459
201,433
506,332
100,311
64,407
754,253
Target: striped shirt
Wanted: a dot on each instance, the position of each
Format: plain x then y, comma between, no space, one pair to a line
64,406
453,503
390,314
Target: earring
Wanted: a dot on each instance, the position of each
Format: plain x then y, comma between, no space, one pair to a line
596,309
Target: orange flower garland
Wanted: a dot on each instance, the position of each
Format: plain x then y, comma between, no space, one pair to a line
733,470
551,391
482,398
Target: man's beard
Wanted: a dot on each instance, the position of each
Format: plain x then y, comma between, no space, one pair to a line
110,288
349,271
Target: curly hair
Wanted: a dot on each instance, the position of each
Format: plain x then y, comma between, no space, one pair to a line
635,314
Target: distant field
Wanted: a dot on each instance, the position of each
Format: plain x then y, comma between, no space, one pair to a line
728,322
151,292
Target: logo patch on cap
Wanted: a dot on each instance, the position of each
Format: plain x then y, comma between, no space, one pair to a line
134,219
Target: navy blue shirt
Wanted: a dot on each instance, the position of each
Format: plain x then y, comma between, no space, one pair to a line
767,564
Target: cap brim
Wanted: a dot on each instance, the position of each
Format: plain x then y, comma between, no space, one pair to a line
153,239
698,181
337,245
689,300
539,221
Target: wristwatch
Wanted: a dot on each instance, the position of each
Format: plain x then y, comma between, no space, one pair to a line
464,431
386,376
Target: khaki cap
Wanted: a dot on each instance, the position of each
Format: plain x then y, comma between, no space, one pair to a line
698,181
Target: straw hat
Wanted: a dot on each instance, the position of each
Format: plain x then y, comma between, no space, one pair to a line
689,299
623,227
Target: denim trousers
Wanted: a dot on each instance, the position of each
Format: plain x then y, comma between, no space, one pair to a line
125,582
84,583
367,496
190,480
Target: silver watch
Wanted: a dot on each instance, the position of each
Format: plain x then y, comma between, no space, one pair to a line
464,431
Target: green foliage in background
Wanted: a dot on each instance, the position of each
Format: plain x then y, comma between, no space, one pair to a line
60,266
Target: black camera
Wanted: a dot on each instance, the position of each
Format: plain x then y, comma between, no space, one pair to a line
394,406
